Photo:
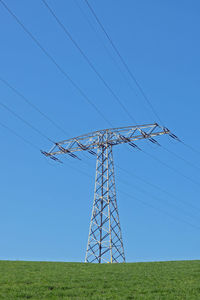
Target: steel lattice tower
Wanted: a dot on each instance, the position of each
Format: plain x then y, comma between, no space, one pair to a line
105,243
105,238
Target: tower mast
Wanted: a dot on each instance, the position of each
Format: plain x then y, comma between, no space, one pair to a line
105,238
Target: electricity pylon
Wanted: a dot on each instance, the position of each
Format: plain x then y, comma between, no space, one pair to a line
105,238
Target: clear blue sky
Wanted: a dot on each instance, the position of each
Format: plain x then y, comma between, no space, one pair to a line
46,207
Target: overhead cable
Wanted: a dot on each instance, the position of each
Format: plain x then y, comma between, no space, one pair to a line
66,31
172,168
55,63
183,211
123,62
116,64
19,136
155,186
26,122
32,105
132,75
160,210
181,158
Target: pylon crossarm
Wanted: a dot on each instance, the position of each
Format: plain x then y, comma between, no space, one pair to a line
110,137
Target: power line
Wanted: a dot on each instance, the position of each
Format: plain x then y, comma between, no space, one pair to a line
32,105
83,54
22,138
184,212
136,82
160,210
116,64
86,174
152,206
187,145
55,63
105,165
187,213
1,1
146,203
36,130
168,166
191,148
52,59
181,158
143,202
157,187
37,148
131,74
56,125
123,62
66,31
26,122
172,168
19,136
78,170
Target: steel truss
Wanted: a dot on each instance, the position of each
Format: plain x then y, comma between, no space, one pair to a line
105,238
105,243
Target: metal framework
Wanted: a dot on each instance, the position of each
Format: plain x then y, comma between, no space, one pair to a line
105,243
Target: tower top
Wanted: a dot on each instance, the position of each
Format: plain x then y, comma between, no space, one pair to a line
110,136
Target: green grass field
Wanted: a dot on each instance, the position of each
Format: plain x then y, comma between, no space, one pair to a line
51,280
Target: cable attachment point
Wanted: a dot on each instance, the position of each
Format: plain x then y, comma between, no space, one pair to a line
67,151
128,140
135,146
85,148
166,130
154,141
92,152
174,137
124,139
50,156
145,135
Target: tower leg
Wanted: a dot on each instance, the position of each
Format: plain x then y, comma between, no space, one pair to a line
105,243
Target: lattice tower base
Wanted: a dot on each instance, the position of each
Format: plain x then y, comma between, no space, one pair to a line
105,243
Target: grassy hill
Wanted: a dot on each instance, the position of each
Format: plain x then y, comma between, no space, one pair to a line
51,280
